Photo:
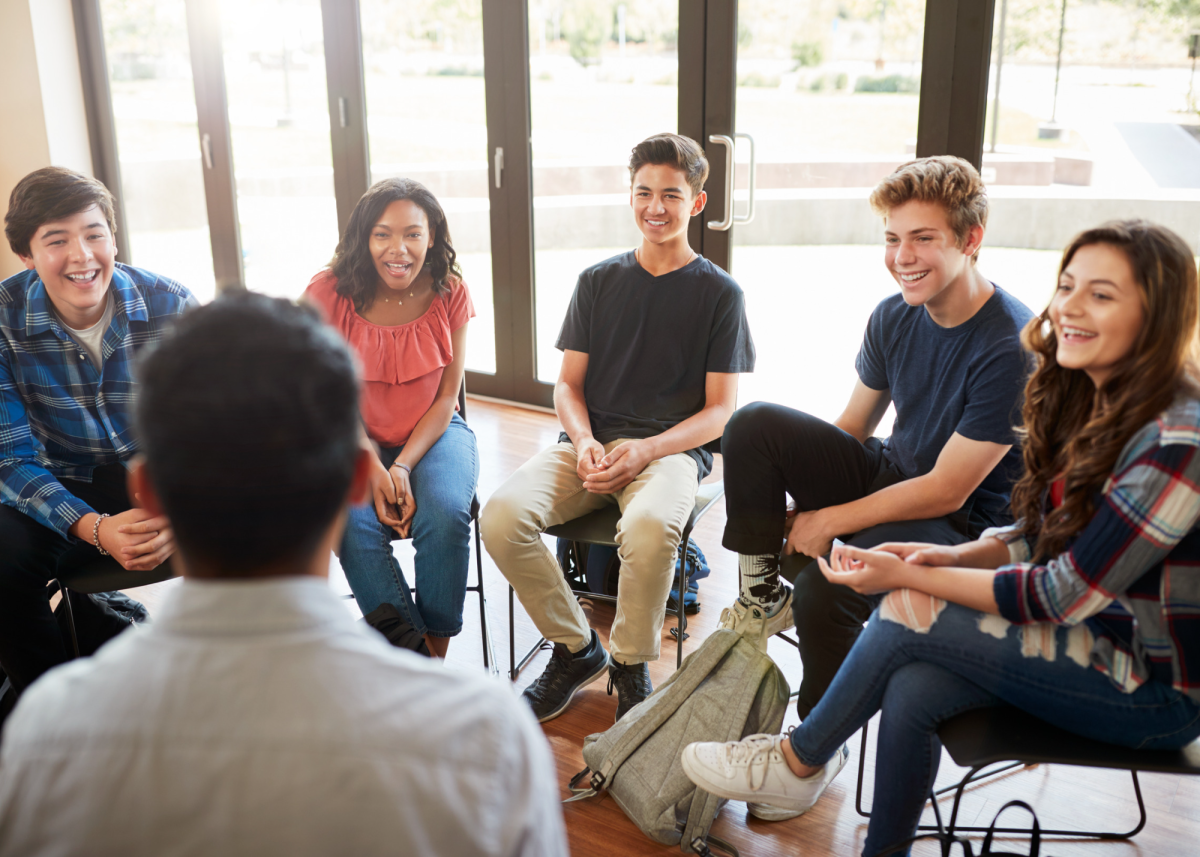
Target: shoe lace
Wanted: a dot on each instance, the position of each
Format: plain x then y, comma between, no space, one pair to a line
624,680
755,753
556,670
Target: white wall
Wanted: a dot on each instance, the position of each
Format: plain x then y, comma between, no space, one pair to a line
41,99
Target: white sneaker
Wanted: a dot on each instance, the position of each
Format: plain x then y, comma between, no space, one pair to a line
781,620
754,770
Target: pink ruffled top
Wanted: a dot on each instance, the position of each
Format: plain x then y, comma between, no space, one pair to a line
401,364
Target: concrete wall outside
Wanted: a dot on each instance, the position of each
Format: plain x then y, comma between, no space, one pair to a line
1019,218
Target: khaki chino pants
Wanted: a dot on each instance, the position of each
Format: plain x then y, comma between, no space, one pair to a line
546,491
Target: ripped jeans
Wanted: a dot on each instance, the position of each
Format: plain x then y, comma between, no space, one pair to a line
958,660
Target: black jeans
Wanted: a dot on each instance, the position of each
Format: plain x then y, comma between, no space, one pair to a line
771,451
32,555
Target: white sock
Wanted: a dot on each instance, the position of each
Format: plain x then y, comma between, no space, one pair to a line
760,585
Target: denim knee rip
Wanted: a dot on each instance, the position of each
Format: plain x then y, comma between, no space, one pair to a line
914,610
1040,640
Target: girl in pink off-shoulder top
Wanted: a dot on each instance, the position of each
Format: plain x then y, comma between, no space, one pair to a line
395,293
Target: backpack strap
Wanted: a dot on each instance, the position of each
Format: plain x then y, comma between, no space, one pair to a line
696,668
704,805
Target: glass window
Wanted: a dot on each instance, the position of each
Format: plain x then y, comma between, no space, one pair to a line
1092,115
829,93
425,120
279,123
158,144
603,77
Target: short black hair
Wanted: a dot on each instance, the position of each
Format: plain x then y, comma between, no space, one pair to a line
247,415
50,194
675,151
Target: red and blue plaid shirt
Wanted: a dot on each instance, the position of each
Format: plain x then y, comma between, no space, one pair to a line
60,417
1133,573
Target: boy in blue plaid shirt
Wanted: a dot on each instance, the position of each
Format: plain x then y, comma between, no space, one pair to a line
70,327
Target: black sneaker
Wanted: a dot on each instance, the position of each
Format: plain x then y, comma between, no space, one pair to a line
632,682
550,695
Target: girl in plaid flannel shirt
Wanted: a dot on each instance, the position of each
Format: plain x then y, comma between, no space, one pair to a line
1083,612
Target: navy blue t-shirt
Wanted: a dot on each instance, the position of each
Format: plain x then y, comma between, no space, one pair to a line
650,342
968,379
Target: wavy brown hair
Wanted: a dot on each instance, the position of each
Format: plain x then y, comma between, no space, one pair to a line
1074,430
950,182
352,264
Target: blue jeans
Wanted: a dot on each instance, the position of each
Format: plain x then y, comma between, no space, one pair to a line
920,680
443,485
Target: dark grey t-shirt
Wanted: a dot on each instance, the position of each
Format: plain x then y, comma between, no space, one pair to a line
968,380
650,341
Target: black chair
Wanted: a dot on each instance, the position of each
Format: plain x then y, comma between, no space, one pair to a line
103,574
489,653
600,528
1006,736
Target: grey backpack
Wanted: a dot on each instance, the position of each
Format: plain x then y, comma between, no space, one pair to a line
725,690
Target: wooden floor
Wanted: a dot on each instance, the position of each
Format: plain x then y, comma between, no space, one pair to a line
1063,797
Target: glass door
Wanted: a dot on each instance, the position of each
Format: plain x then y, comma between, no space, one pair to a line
828,93
274,62
154,117
602,77
423,69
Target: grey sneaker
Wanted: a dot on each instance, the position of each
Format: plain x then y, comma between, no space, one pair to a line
632,682
781,620
551,693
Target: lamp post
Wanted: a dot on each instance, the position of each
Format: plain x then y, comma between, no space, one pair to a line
999,69
1193,53
1052,130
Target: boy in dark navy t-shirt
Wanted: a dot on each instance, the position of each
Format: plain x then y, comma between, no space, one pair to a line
652,346
947,352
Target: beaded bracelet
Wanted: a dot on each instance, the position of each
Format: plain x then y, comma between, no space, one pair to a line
404,467
96,534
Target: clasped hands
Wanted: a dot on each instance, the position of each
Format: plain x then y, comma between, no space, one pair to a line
391,493
135,538
607,474
892,565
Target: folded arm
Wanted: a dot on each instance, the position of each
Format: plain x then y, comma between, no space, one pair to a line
961,466
26,485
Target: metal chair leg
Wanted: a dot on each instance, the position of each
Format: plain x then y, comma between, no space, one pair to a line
66,600
980,772
489,653
680,615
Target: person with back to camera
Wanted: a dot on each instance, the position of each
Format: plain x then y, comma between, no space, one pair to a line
652,343
395,293
255,716
70,327
1081,613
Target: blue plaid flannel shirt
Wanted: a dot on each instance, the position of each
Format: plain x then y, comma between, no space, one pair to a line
60,418
1132,575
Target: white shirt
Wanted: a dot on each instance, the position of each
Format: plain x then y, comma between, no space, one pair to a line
91,339
257,718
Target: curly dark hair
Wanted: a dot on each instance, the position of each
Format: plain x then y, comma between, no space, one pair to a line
1074,430
352,264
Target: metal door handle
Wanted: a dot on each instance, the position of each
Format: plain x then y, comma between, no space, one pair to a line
206,148
726,221
749,215
344,111
498,165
